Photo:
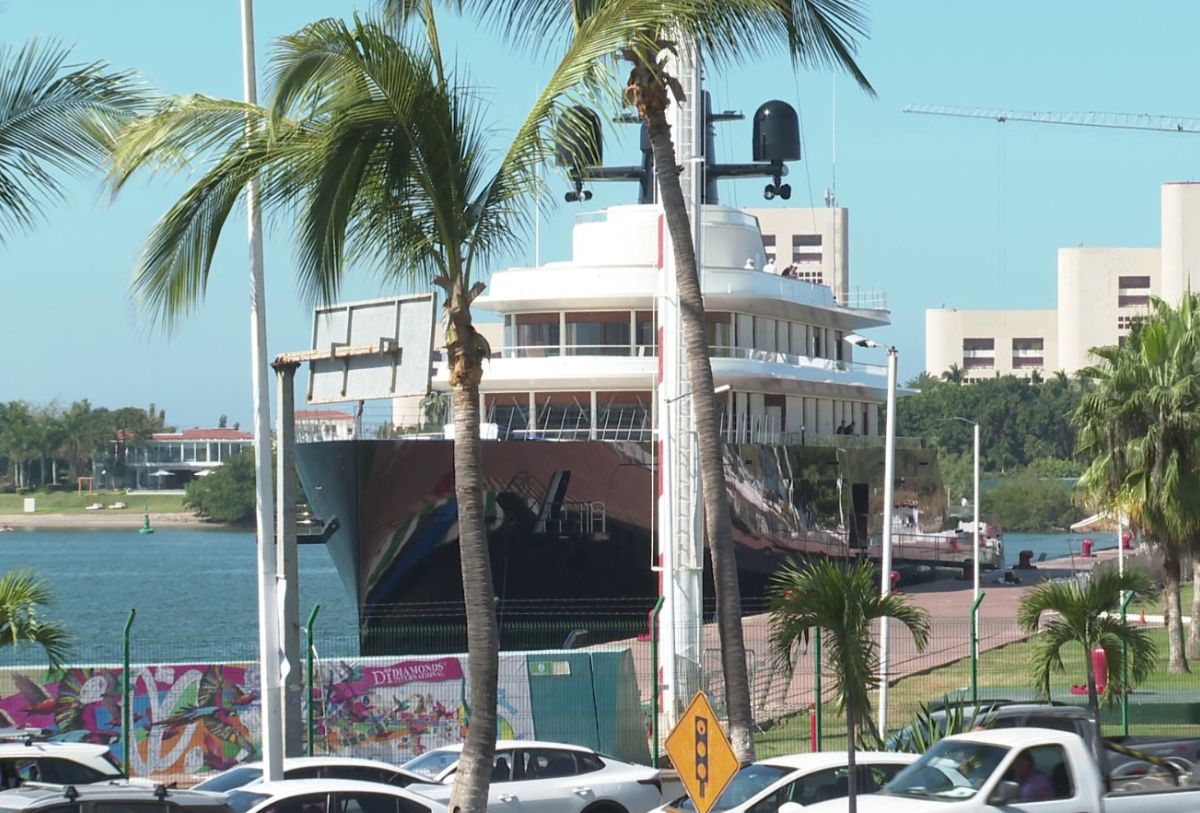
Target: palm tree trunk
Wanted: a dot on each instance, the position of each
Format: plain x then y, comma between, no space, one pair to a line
1176,660
851,761
717,527
1193,645
474,772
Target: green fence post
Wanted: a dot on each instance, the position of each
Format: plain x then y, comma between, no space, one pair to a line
654,680
309,687
975,649
1125,671
817,683
126,728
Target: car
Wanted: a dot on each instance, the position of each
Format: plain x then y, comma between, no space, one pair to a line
321,767
328,796
547,777
122,796
799,780
27,756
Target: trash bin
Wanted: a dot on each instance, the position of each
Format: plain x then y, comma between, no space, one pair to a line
1100,668
1126,540
1087,547
1025,560
895,580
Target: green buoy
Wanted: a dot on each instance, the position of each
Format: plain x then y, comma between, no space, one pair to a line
145,529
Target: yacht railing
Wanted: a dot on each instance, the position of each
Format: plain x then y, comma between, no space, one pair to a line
864,299
722,352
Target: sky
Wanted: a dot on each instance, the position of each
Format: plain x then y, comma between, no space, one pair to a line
943,212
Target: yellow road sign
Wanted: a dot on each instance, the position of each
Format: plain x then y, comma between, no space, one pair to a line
701,753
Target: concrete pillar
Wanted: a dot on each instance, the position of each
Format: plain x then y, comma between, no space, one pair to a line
289,588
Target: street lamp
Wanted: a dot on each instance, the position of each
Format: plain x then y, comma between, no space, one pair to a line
889,476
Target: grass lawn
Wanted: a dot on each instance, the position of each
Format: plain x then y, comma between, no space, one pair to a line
1156,605
1002,672
68,502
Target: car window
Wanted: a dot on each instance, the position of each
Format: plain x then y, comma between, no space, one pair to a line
66,772
502,766
432,763
362,773
1041,773
243,800
876,776
589,762
545,763
312,803
359,802
1056,723
745,785
307,772
230,779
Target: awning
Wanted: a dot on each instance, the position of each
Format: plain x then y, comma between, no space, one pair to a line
160,473
1091,522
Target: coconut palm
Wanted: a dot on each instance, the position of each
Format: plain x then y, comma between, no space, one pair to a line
23,596
819,33
55,119
954,374
840,601
1139,424
1084,615
379,154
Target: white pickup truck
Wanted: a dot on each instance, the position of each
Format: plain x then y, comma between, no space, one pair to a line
1036,770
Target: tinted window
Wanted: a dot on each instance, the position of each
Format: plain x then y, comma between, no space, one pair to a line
313,803
307,772
745,785
1056,723
432,763
227,781
1041,774
360,772
376,803
65,772
243,800
588,762
545,763
502,766
880,775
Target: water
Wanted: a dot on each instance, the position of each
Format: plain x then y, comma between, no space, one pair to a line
195,592
1055,546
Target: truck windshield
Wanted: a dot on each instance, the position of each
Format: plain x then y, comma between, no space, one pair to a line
951,770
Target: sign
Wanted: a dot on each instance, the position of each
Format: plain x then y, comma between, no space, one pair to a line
702,754
539,668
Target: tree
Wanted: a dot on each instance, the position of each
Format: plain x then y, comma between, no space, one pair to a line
1084,615
954,374
813,32
54,118
1138,425
23,596
840,601
227,494
380,154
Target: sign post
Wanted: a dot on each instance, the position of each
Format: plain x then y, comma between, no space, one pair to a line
701,754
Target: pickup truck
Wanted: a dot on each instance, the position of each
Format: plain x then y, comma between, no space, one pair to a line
1036,770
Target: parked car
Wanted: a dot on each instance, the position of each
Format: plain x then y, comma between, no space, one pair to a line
547,777
110,796
27,756
1038,770
328,796
363,770
767,785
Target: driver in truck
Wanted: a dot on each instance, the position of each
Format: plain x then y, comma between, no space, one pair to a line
1035,785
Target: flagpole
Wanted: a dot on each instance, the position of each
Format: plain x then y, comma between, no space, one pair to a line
269,641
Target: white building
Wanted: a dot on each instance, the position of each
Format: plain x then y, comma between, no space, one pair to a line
324,424
1101,293
173,459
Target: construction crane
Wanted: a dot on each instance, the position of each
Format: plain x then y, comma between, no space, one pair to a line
1118,121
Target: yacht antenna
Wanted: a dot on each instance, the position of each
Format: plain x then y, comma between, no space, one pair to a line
831,192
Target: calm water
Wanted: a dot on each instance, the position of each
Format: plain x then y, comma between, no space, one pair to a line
196,591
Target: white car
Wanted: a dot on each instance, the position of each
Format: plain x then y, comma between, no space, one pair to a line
547,777
328,796
362,770
25,758
798,780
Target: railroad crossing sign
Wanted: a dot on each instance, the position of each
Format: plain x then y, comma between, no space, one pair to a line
701,753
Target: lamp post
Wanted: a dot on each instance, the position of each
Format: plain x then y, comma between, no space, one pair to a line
889,477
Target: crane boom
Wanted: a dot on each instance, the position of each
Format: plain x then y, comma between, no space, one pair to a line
1119,121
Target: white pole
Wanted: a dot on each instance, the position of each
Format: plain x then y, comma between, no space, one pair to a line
889,476
268,565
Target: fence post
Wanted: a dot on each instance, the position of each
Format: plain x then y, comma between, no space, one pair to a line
975,649
126,728
817,683
309,687
654,680
1125,670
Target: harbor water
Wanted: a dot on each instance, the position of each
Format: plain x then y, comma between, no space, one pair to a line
195,591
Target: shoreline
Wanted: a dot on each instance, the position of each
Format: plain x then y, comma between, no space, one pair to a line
115,520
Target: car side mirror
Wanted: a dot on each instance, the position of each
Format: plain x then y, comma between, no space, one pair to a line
791,807
1005,793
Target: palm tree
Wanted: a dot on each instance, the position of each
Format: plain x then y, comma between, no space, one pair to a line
954,374
840,601
54,118
813,32
23,595
380,154
1139,423
1084,615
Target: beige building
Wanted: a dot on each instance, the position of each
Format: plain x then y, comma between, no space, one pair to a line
1101,293
815,240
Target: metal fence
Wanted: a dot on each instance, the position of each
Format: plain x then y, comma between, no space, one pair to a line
195,705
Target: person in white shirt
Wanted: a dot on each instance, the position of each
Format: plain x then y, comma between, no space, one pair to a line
749,266
770,266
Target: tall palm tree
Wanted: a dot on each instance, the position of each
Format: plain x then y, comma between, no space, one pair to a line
1084,615
379,153
840,601
1139,424
812,32
55,119
23,596
954,374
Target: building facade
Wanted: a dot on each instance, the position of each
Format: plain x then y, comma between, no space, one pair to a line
173,459
1102,292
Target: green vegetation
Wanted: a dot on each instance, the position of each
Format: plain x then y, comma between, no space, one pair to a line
1026,502
24,597
69,502
226,495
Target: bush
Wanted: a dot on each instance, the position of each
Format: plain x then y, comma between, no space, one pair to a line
1028,503
226,495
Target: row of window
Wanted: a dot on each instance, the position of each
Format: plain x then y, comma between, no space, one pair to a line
980,353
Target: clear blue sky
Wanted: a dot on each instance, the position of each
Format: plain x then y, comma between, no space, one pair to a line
943,212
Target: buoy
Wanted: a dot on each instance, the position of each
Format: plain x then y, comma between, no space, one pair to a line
146,529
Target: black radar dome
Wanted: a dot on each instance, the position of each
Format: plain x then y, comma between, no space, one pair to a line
776,132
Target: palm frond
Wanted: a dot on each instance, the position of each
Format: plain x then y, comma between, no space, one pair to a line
23,595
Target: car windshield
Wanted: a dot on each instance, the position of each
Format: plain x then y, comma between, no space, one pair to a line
432,763
233,778
745,785
951,770
243,800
